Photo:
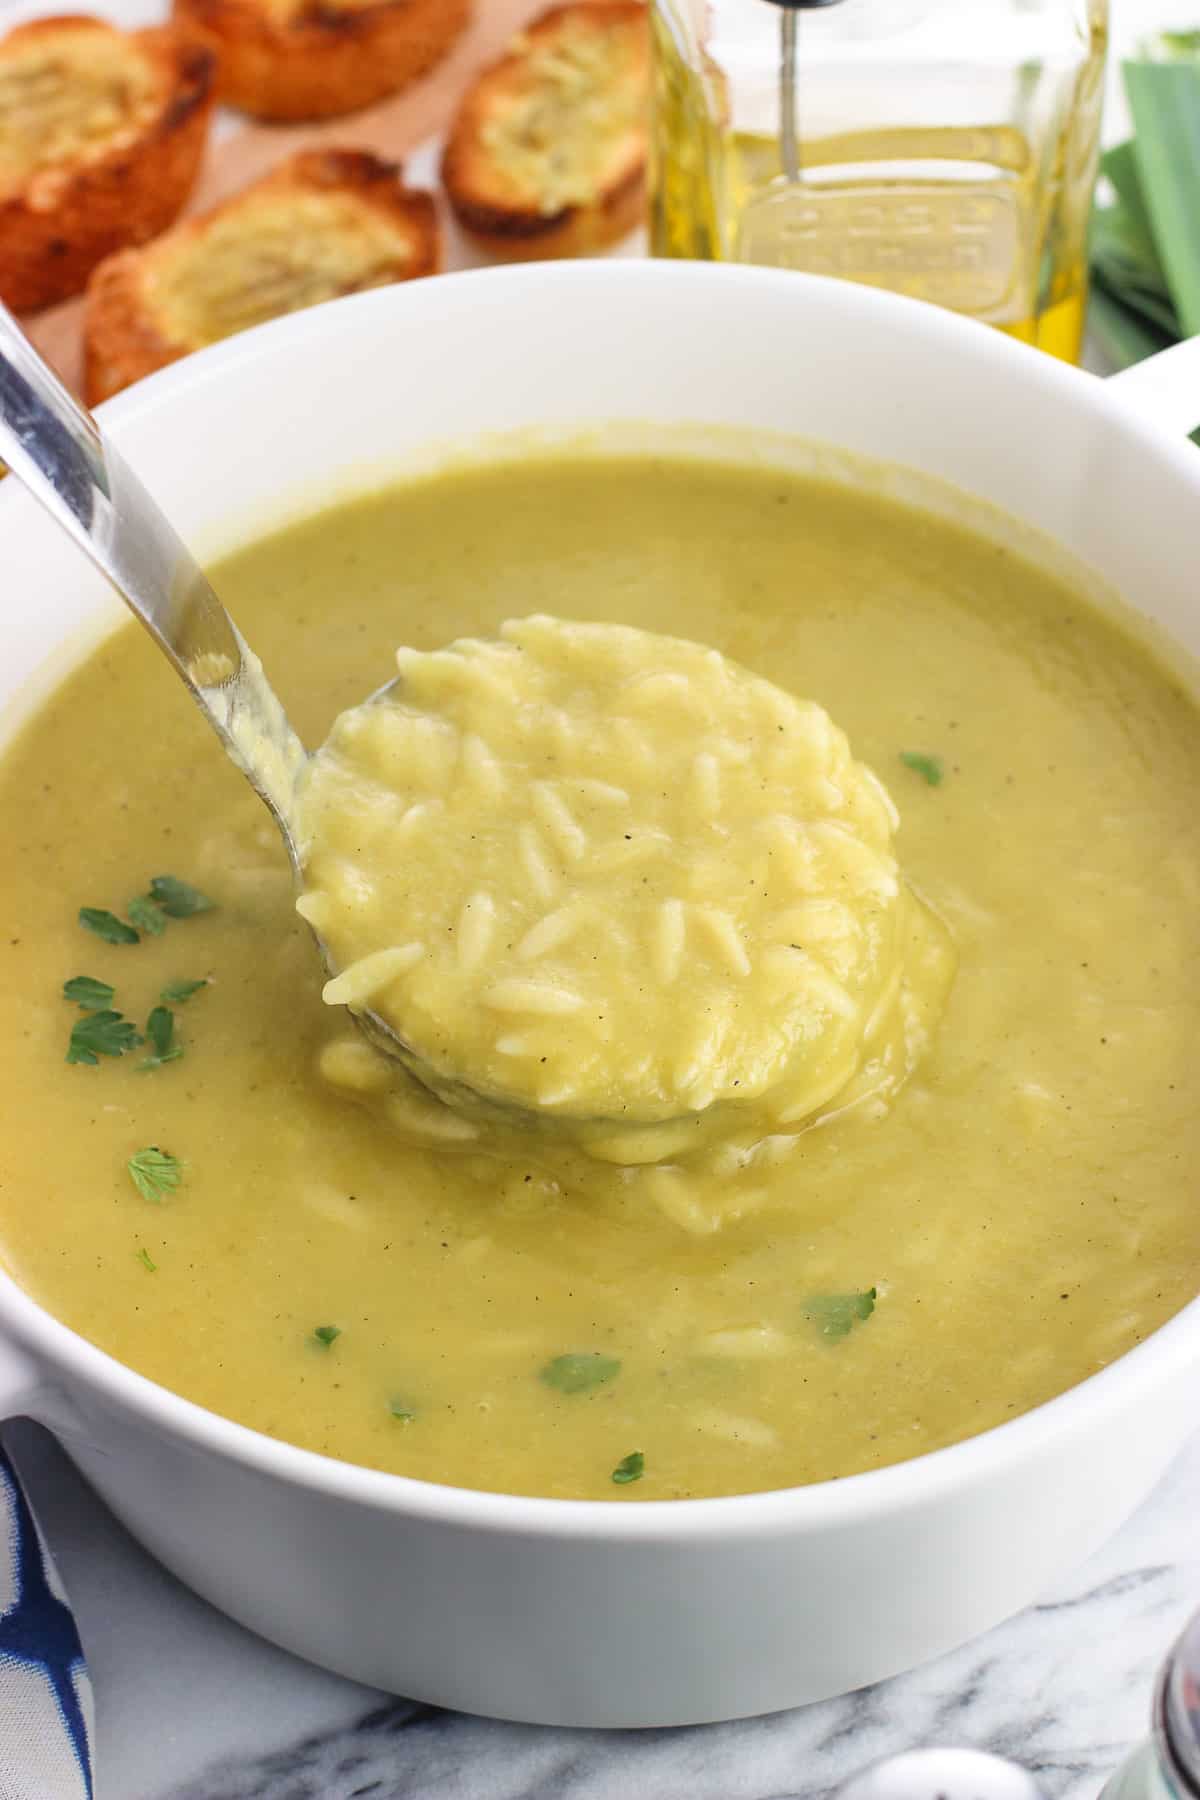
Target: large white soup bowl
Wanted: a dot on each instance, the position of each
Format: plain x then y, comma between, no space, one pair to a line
590,1613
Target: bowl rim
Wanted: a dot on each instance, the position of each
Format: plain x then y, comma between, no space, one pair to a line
55,1348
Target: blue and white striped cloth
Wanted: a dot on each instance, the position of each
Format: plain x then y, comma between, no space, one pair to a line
45,1695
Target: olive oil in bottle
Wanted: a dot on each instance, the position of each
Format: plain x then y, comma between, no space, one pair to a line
943,150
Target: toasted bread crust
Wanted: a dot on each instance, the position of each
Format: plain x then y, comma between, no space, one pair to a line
576,231
575,82
328,57
66,217
130,325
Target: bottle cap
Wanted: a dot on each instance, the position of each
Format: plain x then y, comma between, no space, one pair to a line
943,1774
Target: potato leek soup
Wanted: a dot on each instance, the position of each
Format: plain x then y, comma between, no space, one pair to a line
961,1183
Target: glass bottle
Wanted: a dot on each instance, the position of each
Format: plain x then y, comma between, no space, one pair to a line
943,149
1167,1765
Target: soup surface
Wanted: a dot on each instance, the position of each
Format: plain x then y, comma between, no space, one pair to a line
893,1280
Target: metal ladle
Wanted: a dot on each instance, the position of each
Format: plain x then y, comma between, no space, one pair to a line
57,450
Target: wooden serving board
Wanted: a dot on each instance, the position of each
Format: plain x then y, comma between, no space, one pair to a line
392,129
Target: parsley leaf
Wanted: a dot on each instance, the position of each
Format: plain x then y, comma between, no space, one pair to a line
835,1315
402,1412
578,1371
106,925
178,899
177,992
630,1468
154,1172
325,1334
93,996
921,764
147,916
147,1261
160,1029
100,1034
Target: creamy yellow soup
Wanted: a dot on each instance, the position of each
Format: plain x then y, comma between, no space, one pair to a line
890,1280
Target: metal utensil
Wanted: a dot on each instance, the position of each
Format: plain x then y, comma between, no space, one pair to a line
57,450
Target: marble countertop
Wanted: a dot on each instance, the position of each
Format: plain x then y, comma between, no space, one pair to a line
191,1707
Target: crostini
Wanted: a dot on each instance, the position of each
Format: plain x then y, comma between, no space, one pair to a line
326,222
547,154
316,59
101,135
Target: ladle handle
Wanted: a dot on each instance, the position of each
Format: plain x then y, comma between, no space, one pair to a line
59,453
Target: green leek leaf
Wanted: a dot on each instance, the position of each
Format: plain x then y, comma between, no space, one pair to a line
1124,286
1122,337
1164,99
1121,167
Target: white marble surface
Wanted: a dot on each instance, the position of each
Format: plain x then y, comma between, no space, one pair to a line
190,1707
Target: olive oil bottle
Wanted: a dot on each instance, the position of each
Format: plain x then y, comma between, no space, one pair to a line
942,148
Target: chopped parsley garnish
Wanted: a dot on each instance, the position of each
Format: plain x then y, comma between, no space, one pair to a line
178,899
325,1334
835,1315
147,916
154,1172
922,764
106,925
99,1034
93,996
160,1029
630,1468
177,992
147,1261
578,1371
402,1412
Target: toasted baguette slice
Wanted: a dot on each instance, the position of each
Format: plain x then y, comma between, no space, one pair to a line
326,222
547,155
315,59
101,134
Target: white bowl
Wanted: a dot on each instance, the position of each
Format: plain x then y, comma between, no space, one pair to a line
586,1613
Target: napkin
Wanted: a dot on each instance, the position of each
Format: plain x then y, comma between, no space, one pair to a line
45,1695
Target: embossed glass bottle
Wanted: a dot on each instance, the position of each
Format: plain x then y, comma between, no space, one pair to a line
943,148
